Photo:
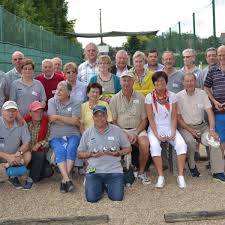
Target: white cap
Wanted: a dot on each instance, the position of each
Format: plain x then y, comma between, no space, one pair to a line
126,74
10,105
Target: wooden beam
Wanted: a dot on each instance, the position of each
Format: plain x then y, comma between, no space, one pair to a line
78,220
194,216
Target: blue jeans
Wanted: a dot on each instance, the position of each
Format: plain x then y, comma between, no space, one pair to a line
65,149
96,183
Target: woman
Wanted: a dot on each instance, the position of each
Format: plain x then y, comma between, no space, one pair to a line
93,92
110,82
161,109
26,90
78,88
64,138
142,77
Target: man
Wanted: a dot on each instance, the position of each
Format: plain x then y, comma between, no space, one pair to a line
103,145
152,60
192,102
57,66
38,127
121,63
211,59
15,73
89,68
128,112
175,77
214,86
49,79
14,140
189,56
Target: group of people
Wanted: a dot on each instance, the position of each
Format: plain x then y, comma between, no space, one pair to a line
93,115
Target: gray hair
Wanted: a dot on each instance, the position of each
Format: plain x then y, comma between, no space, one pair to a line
168,52
46,61
66,86
122,51
190,50
58,59
139,54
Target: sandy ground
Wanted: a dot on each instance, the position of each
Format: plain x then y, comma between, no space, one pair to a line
141,205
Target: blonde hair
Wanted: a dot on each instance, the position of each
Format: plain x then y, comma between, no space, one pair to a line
70,65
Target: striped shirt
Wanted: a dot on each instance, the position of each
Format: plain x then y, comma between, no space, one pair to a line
215,79
86,71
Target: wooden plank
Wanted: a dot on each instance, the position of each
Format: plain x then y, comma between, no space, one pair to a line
194,216
78,220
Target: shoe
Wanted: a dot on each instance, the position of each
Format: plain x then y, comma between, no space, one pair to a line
220,177
27,186
208,166
181,182
144,179
195,172
63,188
69,186
15,182
160,182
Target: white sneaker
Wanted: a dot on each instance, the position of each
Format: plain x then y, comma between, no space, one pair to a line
181,182
160,182
144,179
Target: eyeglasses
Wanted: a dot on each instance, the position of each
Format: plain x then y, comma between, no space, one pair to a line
103,63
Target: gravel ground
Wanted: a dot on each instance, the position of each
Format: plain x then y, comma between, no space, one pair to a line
141,205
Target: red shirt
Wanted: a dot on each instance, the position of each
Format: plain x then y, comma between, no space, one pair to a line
62,74
49,85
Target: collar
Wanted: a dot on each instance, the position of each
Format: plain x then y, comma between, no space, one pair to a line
49,78
17,73
107,129
14,124
91,64
190,95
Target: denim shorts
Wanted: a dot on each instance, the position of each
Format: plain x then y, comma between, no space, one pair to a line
65,148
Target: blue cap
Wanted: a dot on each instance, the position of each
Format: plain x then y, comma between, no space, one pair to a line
99,108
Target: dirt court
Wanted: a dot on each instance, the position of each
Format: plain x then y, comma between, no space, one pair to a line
141,205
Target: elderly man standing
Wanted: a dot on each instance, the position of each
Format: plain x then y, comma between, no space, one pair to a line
15,73
175,77
89,68
121,63
103,145
57,66
49,79
214,86
192,102
189,56
14,139
39,128
128,112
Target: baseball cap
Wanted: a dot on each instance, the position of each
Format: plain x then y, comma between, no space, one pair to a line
126,74
99,108
10,105
35,106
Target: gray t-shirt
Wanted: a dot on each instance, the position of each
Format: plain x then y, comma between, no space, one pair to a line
11,138
72,108
24,95
10,76
113,138
175,81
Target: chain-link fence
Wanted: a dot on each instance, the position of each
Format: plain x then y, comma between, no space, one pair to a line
199,31
17,34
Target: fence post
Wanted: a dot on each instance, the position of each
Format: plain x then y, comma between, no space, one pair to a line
194,40
1,22
180,37
24,33
170,39
214,23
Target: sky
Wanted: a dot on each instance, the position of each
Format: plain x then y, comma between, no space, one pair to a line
144,15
